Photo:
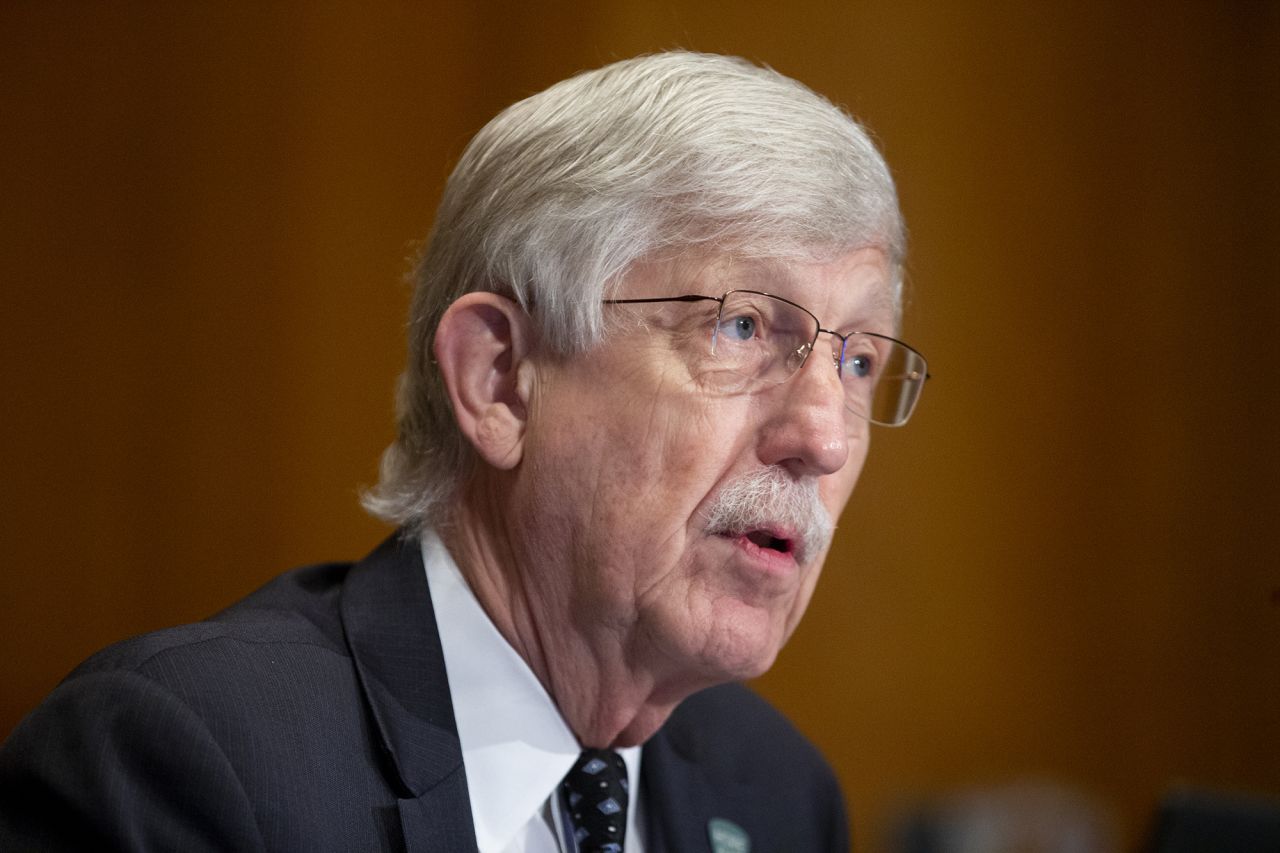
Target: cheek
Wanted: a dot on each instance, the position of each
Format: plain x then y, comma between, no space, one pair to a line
669,446
631,467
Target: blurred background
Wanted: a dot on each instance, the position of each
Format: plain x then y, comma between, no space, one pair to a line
1063,575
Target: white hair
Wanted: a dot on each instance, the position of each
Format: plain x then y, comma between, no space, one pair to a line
557,197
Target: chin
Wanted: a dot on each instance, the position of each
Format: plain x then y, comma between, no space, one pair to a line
747,670
741,652
739,669
720,638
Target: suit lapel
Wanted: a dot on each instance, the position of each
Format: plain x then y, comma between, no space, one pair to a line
440,819
679,799
391,631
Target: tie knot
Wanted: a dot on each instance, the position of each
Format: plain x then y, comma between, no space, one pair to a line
594,795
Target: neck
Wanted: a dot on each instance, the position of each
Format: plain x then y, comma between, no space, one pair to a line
594,671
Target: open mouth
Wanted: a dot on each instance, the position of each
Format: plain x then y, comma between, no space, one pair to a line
767,540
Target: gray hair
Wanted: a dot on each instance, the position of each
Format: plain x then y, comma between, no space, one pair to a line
556,198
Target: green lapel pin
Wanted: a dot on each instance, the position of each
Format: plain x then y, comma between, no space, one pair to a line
727,837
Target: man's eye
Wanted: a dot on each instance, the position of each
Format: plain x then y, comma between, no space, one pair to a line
741,328
860,366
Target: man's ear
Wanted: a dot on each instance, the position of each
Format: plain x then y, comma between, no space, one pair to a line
481,346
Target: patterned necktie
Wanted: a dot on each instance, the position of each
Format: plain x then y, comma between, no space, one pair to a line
594,797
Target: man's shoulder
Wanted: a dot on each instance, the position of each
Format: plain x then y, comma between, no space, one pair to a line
296,609
221,734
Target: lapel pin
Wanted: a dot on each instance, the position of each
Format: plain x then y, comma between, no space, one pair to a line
727,837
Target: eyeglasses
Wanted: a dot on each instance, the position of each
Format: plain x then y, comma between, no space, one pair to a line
759,339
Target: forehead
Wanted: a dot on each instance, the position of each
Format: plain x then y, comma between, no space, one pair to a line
850,290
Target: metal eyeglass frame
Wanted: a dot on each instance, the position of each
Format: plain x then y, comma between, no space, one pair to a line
844,339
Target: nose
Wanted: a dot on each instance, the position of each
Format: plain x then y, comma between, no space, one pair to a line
807,429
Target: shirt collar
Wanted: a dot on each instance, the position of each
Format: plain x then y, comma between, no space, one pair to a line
516,747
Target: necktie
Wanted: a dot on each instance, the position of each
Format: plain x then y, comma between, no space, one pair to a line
594,796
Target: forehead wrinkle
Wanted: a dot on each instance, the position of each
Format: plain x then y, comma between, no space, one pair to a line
881,307
882,301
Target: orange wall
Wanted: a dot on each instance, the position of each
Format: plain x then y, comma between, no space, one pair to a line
1066,568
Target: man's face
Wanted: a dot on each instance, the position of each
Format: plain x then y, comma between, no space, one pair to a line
627,448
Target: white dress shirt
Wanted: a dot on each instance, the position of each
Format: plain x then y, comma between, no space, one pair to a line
516,747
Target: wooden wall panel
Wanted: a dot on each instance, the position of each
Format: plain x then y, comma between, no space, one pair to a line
1065,569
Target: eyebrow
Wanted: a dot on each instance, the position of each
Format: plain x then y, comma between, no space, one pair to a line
760,274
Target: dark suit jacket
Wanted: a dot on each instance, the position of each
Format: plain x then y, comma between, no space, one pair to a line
315,715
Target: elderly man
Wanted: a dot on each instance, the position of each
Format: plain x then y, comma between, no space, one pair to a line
650,329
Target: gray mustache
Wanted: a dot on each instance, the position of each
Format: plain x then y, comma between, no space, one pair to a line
769,498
